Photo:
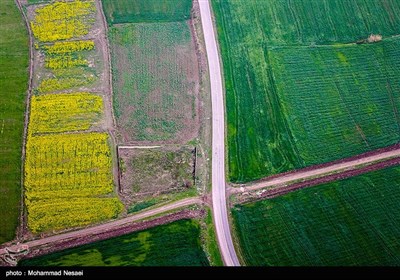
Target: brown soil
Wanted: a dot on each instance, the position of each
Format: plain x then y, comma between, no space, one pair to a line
148,173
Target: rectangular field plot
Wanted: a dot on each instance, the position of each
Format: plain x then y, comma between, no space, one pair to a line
174,244
128,11
65,174
63,20
64,112
275,119
154,172
353,222
155,80
339,101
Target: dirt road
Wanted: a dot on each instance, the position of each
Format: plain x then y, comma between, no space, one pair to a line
218,141
108,226
312,173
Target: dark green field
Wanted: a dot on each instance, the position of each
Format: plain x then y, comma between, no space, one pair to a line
341,101
128,11
174,244
14,51
279,85
351,222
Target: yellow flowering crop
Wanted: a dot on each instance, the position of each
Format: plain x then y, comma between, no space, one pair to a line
57,214
54,84
63,20
63,168
69,47
61,164
68,176
64,112
64,61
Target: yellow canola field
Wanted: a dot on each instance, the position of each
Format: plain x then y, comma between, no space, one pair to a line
58,214
55,84
61,169
65,61
69,47
64,112
63,20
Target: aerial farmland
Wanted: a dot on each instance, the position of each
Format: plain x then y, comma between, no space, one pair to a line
199,133
309,85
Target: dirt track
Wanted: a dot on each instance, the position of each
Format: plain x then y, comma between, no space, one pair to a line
114,232
309,173
329,178
95,230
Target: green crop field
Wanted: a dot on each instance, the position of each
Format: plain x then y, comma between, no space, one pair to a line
350,222
155,79
125,11
14,52
275,127
341,101
174,244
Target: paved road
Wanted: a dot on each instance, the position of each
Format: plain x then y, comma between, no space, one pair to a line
218,141
319,172
108,226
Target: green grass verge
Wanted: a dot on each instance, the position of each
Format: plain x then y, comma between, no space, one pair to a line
352,222
174,244
14,60
211,241
128,11
263,133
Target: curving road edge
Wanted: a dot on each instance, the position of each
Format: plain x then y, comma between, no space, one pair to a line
218,141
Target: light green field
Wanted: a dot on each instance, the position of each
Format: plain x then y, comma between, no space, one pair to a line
14,52
155,74
128,11
353,222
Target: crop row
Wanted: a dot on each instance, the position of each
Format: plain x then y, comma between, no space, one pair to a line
68,47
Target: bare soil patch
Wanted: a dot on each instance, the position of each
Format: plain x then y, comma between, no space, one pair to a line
148,173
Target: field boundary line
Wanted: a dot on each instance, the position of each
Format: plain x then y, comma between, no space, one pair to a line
21,226
139,147
313,173
312,182
108,58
